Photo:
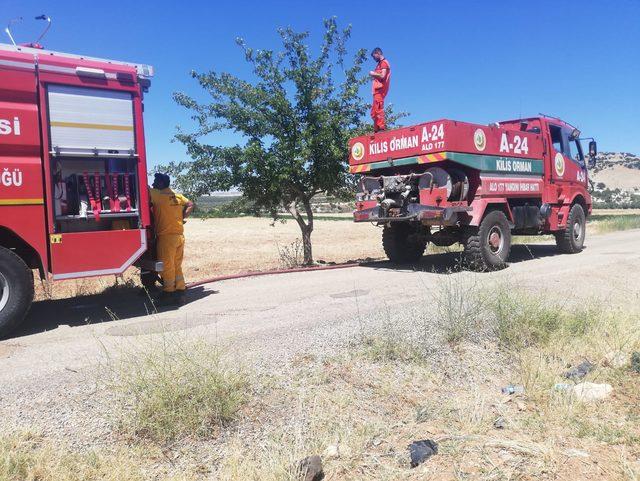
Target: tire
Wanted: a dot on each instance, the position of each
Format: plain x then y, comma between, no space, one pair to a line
571,239
487,247
403,242
16,291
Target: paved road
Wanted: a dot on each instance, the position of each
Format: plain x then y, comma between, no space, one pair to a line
273,316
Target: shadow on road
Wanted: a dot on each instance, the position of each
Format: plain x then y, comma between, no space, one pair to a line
95,309
451,262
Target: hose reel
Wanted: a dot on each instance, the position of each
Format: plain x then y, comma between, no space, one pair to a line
454,180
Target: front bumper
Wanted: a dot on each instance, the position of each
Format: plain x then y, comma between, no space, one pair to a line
415,212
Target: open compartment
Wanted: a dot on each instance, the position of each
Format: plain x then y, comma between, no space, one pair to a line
92,194
93,159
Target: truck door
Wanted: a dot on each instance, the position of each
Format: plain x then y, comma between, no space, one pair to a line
94,172
567,158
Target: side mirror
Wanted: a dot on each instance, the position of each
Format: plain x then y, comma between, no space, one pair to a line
593,152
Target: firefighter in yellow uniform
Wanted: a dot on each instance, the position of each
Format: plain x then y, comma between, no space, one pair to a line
169,211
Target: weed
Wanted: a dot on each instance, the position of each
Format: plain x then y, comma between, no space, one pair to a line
387,343
384,348
459,309
613,223
172,390
521,321
291,255
46,288
29,457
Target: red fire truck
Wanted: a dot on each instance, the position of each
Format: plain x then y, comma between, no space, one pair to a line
450,182
73,176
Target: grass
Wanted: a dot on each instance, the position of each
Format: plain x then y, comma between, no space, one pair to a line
524,321
29,457
170,391
389,347
456,311
604,223
459,309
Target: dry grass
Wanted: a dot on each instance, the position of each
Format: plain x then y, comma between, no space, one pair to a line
29,457
228,246
169,390
615,222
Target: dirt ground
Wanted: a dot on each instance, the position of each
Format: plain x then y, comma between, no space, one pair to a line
241,244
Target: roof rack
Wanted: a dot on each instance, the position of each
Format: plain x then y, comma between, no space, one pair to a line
144,71
556,118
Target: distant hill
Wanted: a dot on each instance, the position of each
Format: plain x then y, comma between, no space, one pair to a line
615,181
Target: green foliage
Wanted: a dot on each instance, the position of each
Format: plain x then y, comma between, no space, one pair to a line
612,223
295,117
523,321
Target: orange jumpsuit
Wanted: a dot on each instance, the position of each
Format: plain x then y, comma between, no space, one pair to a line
380,88
168,216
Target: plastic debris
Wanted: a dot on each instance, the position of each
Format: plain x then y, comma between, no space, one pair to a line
513,389
580,371
420,451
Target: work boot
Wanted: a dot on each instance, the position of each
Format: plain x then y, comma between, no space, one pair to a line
166,299
180,297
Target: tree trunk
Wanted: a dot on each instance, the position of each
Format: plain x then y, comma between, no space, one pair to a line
306,246
306,228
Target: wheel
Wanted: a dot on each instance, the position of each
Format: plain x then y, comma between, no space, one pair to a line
571,239
487,247
16,291
403,242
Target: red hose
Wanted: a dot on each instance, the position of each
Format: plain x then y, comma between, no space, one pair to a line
268,273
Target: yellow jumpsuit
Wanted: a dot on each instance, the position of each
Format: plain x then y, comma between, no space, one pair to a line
168,215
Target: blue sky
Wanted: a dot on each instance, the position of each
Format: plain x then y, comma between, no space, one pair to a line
464,60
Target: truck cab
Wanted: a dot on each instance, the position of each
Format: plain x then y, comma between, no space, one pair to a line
448,182
73,176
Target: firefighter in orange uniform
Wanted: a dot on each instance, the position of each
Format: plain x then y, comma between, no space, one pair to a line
169,211
381,77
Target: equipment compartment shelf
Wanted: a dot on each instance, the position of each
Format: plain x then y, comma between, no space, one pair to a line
104,213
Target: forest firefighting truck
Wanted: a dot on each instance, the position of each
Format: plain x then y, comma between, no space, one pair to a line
448,182
73,177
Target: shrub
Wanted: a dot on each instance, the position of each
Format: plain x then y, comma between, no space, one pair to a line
522,320
459,308
170,391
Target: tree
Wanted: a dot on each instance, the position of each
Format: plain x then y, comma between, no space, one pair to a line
295,118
